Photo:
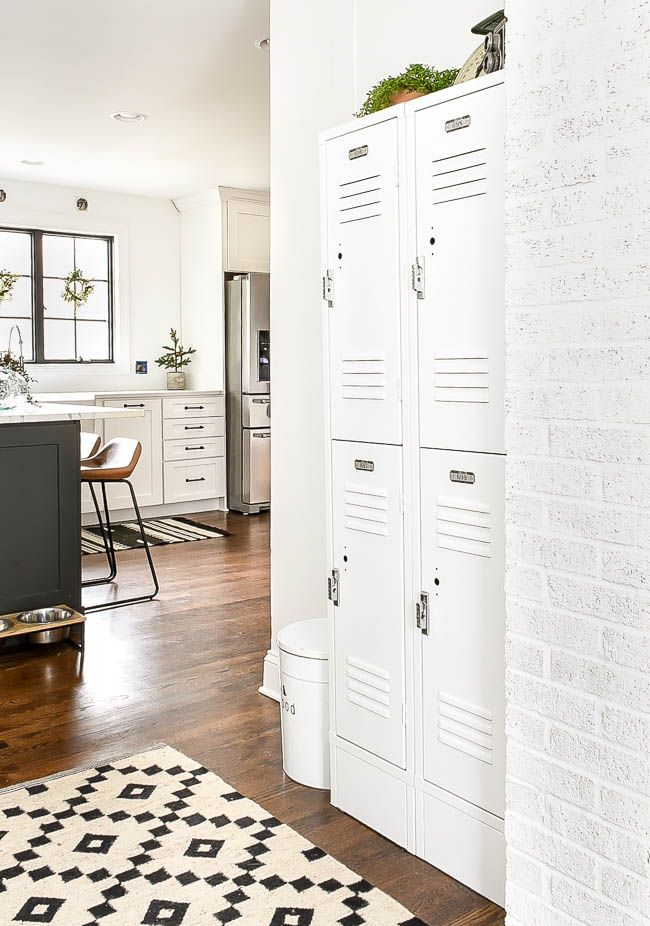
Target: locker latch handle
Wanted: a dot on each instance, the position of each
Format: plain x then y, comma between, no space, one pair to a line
333,587
328,288
422,613
417,277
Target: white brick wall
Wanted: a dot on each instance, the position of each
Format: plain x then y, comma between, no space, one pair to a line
578,471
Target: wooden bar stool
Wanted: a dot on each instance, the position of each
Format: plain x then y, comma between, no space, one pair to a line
115,462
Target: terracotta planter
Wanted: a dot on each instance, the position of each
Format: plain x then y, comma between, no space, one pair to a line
175,380
405,96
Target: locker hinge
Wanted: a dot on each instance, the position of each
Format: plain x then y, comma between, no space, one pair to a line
328,288
417,277
333,587
422,613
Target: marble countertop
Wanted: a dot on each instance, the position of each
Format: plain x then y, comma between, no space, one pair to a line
118,394
51,411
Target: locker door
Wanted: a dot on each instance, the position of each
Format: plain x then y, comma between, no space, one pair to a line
463,696
460,243
363,261
369,619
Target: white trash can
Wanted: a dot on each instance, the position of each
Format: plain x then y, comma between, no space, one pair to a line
304,701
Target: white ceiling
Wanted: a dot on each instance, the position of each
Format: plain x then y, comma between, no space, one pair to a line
190,65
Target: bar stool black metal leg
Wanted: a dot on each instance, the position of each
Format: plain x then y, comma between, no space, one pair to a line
140,598
109,529
145,542
108,542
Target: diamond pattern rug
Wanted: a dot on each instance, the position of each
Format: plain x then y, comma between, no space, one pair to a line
155,839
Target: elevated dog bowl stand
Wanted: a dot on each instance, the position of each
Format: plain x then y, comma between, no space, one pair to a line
19,629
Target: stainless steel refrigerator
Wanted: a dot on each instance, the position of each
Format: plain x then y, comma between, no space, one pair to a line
248,391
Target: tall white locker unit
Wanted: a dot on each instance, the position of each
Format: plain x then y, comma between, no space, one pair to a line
413,286
457,225
366,346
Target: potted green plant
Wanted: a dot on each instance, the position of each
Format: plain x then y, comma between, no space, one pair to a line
174,361
417,80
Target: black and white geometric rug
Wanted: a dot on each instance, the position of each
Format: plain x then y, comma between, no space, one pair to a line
126,536
155,839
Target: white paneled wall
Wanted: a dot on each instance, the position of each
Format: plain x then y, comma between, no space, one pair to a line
578,471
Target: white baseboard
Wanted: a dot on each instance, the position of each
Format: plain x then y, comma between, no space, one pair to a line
270,686
161,511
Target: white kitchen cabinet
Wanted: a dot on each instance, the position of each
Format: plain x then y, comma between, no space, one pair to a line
247,236
413,308
147,477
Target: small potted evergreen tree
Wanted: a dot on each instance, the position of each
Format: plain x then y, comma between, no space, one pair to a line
174,361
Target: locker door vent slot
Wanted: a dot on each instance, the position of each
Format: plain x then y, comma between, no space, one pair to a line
461,379
368,687
360,199
366,510
465,727
363,378
464,526
459,176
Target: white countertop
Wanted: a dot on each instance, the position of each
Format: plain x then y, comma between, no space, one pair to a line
51,411
118,394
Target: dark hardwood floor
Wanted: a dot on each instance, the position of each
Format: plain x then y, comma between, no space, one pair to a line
185,670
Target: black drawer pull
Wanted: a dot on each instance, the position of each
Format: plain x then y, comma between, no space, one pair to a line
198,408
134,405
194,427
201,447
200,479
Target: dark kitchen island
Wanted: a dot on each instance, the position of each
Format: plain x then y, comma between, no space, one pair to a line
40,494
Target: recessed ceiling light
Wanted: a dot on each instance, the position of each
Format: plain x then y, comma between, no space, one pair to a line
124,116
264,44
33,163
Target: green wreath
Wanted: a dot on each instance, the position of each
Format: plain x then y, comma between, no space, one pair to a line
7,283
77,289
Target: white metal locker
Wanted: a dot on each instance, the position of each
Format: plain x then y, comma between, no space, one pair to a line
462,549
460,271
362,284
368,548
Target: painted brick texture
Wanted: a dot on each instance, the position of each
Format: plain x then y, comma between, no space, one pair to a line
578,468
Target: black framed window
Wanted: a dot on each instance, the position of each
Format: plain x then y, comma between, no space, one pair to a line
51,330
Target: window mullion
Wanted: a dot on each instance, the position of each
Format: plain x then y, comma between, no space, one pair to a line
39,311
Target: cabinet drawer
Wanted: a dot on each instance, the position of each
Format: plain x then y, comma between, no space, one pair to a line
198,479
180,428
194,448
188,407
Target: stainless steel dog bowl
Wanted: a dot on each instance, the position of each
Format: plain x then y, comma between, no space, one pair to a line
4,625
47,616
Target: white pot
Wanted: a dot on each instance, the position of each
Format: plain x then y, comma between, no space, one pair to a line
175,380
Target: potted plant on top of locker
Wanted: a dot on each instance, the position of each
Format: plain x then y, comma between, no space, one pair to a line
174,361
417,80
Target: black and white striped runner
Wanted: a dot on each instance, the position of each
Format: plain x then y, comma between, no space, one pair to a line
159,531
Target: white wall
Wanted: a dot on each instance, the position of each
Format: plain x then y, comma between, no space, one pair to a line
311,88
147,233
323,61
390,36
202,288
578,471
